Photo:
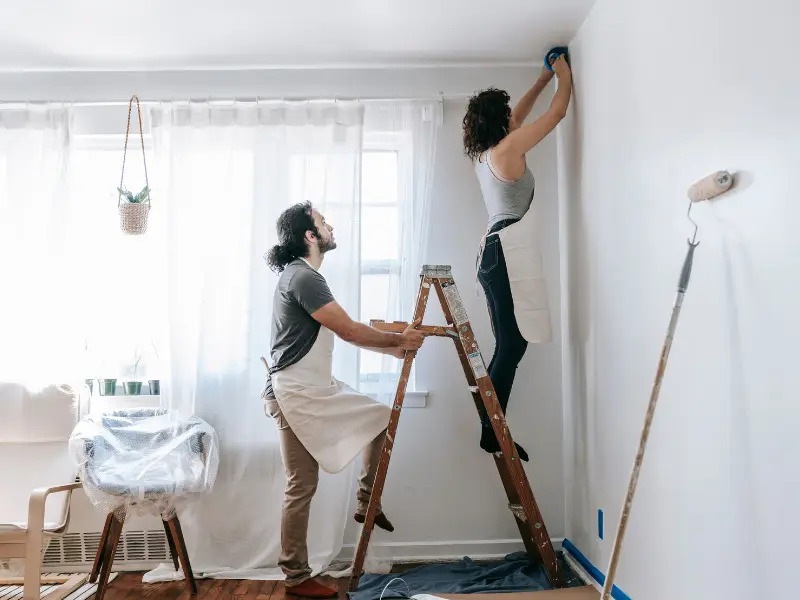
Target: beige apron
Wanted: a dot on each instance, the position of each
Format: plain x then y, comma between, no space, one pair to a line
520,243
332,420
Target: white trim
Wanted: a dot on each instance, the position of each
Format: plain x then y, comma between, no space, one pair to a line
372,83
581,572
336,66
401,552
412,399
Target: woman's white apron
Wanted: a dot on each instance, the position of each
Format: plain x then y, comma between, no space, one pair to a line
332,420
520,243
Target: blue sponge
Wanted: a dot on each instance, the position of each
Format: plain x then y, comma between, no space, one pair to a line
553,54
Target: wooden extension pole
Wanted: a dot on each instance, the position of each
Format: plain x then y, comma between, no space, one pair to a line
625,513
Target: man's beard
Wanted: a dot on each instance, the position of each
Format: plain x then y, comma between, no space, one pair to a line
325,245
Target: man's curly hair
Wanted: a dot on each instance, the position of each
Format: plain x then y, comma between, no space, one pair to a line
486,121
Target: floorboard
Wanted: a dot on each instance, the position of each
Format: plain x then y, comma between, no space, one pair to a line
129,586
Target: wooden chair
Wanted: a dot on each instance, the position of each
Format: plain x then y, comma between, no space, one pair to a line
108,546
35,427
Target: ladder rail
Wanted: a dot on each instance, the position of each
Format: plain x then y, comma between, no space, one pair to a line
512,474
386,452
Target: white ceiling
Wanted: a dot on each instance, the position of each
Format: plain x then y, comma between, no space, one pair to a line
203,34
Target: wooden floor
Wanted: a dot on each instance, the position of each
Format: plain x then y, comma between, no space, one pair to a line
129,586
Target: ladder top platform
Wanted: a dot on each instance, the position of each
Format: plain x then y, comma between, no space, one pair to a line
436,271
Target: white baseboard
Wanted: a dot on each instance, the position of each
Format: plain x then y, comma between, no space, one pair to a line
406,552
144,550
581,572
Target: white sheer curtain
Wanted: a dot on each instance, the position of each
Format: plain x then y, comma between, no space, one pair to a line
414,126
40,290
224,173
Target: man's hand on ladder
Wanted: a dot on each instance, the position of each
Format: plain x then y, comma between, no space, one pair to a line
411,338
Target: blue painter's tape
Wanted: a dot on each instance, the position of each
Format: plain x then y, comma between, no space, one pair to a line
599,577
553,54
600,523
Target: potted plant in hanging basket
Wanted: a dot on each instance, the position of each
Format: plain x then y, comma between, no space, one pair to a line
133,208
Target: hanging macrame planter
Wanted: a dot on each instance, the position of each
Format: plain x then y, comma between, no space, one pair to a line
133,208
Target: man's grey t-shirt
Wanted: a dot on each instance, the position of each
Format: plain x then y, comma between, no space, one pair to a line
301,291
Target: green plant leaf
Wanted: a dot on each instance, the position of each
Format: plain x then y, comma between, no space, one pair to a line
141,197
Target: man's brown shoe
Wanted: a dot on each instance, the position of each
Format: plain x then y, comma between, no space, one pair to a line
311,588
380,520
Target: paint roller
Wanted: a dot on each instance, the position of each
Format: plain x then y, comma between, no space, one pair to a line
711,186
707,188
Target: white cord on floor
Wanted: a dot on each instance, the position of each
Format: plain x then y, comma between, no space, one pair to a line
408,590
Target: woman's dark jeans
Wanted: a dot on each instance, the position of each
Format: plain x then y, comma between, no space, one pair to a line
510,346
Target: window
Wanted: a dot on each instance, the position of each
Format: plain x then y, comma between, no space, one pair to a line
381,245
120,315
381,217
380,265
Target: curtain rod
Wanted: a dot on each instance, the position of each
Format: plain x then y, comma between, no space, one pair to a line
264,99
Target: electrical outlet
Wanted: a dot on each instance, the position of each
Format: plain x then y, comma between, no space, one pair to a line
600,523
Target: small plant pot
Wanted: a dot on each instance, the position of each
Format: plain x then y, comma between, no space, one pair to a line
107,387
133,217
155,387
90,384
132,388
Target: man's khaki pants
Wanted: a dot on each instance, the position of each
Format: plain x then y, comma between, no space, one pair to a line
302,475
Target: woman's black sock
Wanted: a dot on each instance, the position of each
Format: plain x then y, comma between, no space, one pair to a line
490,444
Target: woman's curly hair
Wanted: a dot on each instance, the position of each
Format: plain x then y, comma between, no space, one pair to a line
486,122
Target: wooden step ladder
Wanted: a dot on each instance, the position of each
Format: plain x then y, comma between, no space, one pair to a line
520,497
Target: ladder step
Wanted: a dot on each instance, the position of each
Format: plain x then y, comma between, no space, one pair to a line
518,510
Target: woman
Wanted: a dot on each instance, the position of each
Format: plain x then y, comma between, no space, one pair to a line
496,140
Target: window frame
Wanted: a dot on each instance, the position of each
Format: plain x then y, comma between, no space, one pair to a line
399,144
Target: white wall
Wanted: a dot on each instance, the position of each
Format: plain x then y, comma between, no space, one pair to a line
666,93
437,466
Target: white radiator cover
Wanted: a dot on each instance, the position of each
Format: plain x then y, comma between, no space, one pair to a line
142,546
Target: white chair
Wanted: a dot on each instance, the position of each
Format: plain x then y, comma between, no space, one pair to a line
38,478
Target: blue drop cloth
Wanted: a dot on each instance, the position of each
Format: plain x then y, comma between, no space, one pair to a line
515,573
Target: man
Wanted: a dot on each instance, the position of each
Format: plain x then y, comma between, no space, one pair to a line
322,422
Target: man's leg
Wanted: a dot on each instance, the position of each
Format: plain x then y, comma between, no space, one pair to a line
302,475
371,456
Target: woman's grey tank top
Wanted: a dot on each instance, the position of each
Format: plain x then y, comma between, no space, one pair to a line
504,200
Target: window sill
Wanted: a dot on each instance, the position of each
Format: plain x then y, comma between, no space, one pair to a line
99,404
411,400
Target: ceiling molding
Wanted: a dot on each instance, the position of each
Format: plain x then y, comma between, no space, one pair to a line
184,84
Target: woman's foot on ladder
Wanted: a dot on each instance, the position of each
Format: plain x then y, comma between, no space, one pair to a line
490,444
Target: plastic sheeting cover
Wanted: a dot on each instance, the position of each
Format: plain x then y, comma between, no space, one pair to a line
144,461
